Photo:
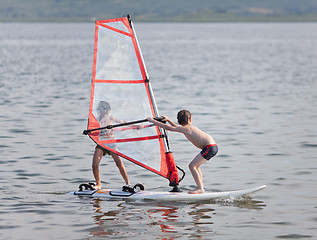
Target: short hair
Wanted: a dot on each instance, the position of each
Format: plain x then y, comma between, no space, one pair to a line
183,117
103,107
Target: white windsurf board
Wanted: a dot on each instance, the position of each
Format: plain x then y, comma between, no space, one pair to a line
167,196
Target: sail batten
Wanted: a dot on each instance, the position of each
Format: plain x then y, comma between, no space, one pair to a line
131,139
120,81
121,92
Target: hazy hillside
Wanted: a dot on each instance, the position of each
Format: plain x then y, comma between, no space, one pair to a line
159,10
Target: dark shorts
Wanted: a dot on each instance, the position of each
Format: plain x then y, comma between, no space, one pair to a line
209,151
105,151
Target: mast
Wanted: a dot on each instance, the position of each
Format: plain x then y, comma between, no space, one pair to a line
149,84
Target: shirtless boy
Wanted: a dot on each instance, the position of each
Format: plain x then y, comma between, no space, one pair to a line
198,138
106,119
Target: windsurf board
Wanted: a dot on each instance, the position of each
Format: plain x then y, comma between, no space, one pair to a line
167,196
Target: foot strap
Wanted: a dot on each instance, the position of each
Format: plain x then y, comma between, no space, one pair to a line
86,186
128,188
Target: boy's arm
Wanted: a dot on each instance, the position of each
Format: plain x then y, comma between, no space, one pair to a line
134,126
169,121
117,120
164,126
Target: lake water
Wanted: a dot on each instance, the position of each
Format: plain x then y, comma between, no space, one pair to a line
252,86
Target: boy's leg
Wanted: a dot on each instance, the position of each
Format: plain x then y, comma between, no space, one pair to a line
98,154
196,172
121,167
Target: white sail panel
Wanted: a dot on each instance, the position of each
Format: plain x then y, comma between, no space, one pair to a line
145,152
128,101
116,57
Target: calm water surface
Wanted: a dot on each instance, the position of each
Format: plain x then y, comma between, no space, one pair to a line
251,86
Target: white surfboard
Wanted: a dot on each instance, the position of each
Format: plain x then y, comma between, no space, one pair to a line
167,196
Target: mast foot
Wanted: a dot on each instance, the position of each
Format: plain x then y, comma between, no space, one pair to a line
176,189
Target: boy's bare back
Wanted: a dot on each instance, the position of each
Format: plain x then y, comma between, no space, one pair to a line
196,136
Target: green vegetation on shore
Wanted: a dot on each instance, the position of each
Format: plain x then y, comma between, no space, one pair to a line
159,11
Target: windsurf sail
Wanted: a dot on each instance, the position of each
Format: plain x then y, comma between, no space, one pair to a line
121,93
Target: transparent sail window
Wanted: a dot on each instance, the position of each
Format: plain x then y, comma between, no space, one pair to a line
116,57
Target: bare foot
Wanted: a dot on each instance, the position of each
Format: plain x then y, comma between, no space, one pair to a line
97,187
197,191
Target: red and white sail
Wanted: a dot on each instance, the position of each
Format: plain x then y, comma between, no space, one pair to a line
120,80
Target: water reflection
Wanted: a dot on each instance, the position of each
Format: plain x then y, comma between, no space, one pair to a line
127,219
108,222
247,203
166,217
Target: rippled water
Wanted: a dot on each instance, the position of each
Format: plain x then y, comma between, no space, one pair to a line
252,86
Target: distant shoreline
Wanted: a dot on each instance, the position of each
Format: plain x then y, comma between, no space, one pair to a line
169,20
159,11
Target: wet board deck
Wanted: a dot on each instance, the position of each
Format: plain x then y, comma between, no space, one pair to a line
167,196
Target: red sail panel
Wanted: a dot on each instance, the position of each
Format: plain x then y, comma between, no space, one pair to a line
121,92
